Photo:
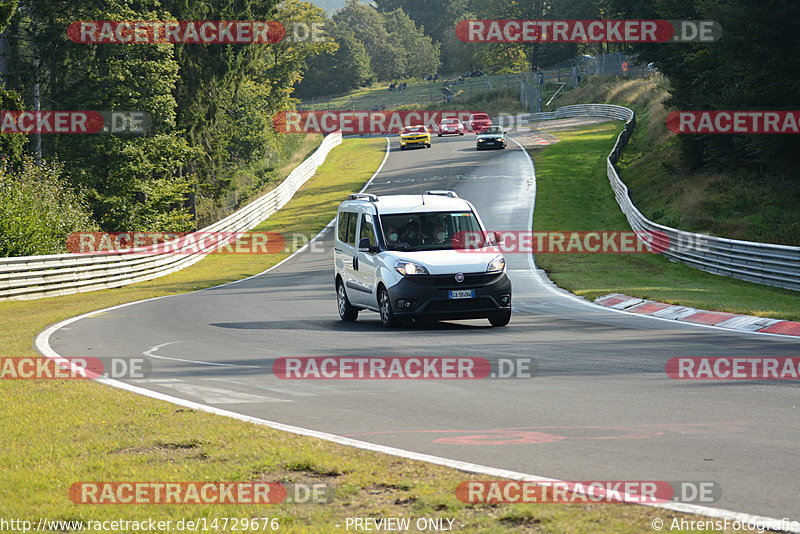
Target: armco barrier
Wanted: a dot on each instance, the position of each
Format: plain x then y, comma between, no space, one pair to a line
763,263
33,277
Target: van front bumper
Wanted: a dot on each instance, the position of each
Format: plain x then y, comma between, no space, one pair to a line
429,296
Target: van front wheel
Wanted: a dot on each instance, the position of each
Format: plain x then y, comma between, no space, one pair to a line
347,311
500,320
388,318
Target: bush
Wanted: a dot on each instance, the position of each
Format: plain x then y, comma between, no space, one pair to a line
38,209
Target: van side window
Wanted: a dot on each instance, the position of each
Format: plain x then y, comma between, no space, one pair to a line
342,226
367,230
351,229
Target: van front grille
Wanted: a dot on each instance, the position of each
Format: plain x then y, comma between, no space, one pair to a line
461,304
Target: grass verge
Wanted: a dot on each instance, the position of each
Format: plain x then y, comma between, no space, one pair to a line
573,193
56,433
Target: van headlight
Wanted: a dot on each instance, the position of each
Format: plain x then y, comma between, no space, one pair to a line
409,268
497,265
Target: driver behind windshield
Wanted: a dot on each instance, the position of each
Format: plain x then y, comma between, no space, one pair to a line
393,238
412,236
439,236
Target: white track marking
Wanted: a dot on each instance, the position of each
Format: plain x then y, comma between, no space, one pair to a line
149,353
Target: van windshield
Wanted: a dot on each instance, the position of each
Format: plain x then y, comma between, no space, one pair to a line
427,231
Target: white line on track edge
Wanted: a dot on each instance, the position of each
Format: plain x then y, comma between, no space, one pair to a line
43,346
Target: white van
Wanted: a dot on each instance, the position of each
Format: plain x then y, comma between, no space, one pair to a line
404,257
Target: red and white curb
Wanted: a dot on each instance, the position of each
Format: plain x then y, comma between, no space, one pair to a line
731,321
537,138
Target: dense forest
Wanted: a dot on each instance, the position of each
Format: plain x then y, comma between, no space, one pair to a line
211,104
754,66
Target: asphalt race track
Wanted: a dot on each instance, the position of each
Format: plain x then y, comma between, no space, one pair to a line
600,406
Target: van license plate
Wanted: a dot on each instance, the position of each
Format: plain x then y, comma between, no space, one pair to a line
462,294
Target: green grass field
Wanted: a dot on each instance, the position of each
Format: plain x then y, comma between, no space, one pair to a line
573,193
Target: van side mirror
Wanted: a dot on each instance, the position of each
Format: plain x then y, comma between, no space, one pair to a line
366,246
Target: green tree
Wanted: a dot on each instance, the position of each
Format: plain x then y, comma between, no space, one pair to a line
11,145
535,54
435,17
754,66
210,80
123,175
287,60
419,54
396,46
211,104
343,70
458,56
368,27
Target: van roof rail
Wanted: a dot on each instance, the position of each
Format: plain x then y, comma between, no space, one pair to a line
442,193
363,196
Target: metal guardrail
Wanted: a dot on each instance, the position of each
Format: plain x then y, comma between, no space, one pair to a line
32,277
762,263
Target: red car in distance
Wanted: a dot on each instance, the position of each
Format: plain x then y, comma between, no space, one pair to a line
451,126
479,121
